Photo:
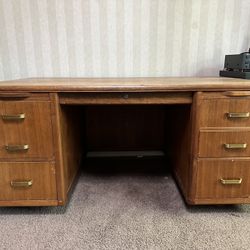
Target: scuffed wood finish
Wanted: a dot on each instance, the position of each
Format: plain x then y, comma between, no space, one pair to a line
125,98
34,130
71,127
154,84
41,174
68,141
57,142
28,203
211,171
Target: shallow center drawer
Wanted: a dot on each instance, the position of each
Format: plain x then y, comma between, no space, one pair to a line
125,98
234,143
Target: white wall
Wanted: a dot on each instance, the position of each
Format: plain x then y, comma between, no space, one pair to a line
120,37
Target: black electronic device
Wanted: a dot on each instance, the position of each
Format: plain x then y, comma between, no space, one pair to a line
237,66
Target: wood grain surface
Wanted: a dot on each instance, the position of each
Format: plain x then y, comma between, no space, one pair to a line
198,131
125,128
211,171
34,130
125,84
41,174
211,143
125,98
215,107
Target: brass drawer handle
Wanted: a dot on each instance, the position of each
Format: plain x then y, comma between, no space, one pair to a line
21,183
231,181
238,115
235,145
13,148
17,117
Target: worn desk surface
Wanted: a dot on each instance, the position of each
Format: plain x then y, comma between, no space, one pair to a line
125,84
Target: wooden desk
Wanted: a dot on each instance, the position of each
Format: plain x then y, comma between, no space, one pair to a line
47,125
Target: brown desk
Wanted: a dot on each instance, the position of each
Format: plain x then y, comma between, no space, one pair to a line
48,124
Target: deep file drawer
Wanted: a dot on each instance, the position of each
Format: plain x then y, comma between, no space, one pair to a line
221,143
222,179
27,181
25,130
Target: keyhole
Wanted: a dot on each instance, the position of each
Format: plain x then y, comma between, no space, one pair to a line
125,96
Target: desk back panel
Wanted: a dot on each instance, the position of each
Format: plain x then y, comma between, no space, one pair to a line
125,128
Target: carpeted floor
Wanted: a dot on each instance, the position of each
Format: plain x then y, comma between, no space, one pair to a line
126,211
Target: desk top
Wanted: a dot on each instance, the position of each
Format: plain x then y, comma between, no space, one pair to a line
153,84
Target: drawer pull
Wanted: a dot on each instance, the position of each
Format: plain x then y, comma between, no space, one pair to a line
231,181
237,93
21,183
10,95
18,117
13,148
238,115
235,145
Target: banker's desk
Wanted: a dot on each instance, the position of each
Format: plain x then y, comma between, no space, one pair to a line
48,124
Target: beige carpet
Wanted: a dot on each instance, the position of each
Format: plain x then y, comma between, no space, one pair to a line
126,211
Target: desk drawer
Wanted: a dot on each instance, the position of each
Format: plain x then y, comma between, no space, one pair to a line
25,129
224,143
125,98
227,112
27,181
222,179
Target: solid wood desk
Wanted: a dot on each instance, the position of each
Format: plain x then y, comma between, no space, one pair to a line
48,124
